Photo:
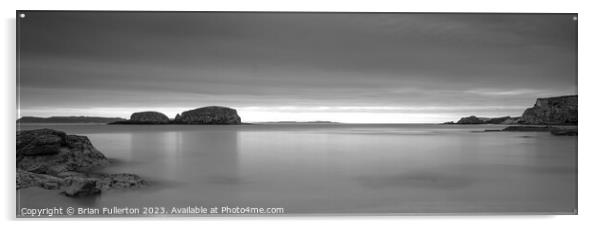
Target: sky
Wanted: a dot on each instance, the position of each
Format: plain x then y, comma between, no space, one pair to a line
343,67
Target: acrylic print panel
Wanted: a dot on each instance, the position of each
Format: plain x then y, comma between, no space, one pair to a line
295,113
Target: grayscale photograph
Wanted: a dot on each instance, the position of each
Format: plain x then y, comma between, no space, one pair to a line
202,113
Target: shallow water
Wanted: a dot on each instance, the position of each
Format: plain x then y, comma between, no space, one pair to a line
332,168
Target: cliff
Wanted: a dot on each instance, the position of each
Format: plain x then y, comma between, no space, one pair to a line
209,115
560,110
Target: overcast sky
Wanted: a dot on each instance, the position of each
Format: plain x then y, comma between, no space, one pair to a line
295,66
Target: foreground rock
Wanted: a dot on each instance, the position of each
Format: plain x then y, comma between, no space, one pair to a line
560,110
48,151
209,115
51,159
28,179
146,117
79,184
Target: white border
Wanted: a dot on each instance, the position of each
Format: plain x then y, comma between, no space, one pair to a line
590,162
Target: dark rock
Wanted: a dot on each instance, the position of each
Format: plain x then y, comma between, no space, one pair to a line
481,120
149,117
209,115
66,174
78,186
511,120
499,120
39,142
73,183
527,128
470,120
560,110
70,152
564,131
27,179
144,118
68,167
120,181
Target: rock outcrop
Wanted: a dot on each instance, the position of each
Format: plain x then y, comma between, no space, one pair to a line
560,110
149,117
146,117
27,179
480,120
51,159
49,151
470,120
209,115
510,121
79,186
558,115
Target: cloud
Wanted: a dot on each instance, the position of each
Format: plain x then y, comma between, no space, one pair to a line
501,92
378,63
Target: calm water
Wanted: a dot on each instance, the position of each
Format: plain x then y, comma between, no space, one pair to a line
328,168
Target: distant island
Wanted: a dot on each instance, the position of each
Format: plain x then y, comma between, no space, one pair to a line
299,122
211,115
68,119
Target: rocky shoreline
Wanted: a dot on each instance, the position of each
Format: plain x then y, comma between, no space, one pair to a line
557,115
53,160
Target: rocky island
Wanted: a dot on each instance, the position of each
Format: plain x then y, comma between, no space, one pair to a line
482,120
146,117
208,115
53,160
211,115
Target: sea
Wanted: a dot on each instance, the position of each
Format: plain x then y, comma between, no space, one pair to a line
324,169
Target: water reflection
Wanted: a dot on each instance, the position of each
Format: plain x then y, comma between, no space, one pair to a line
204,154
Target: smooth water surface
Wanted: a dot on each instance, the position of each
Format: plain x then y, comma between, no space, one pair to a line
333,168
